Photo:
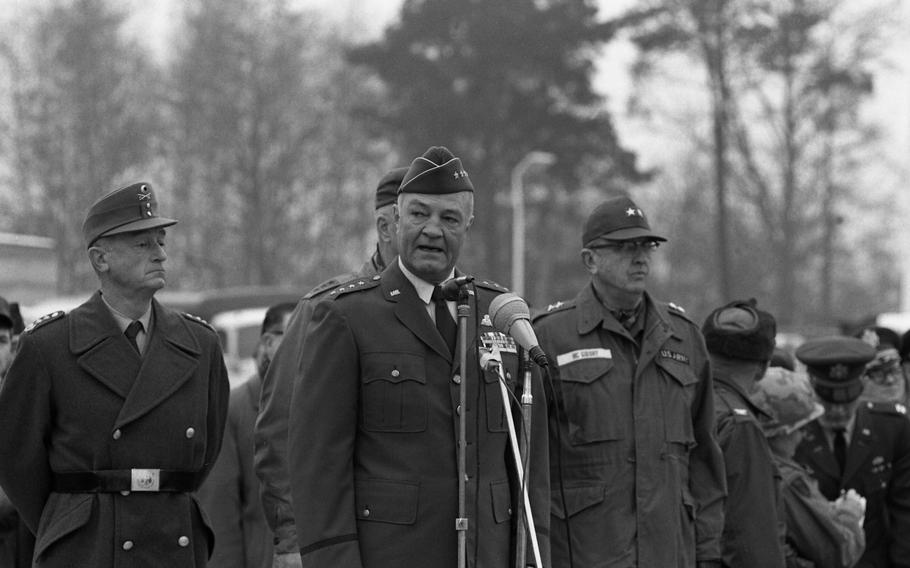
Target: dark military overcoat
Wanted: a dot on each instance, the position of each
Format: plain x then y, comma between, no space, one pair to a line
78,398
373,434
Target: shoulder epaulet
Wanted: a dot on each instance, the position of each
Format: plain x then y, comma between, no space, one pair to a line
198,320
332,282
354,285
44,320
555,307
887,407
678,310
490,285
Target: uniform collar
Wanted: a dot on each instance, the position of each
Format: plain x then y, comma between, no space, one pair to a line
123,320
424,289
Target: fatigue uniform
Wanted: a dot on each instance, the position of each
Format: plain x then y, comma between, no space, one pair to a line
230,494
271,431
878,468
77,400
632,446
814,531
374,428
753,515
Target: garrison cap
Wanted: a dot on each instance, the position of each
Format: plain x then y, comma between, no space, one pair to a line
438,172
739,330
6,314
836,364
617,219
125,210
387,190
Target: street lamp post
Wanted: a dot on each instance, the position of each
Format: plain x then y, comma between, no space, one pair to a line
533,158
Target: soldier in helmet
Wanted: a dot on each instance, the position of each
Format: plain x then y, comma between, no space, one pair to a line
860,446
818,531
883,377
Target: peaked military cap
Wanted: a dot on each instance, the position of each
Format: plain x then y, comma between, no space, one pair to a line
740,330
387,190
835,364
124,210
6,314
438,171
617,219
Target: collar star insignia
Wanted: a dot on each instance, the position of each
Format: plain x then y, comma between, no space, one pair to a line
552,307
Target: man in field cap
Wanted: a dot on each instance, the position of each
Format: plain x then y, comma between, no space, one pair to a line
636,423
864,446
373,438
113,413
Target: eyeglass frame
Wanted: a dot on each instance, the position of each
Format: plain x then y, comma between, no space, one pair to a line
629,246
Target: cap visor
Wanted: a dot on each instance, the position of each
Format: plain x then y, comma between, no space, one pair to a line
140,225
627,235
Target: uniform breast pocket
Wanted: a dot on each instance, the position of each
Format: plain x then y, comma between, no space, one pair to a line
678,394
393,396
592,400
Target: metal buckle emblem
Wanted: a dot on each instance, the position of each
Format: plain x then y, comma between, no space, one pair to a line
145,479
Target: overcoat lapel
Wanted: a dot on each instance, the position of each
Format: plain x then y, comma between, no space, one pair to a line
102,351
411,311
170,360
820,454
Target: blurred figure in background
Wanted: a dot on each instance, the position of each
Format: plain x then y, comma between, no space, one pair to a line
6,337
820,533
883,377
740,341
860,446
230,495
271,431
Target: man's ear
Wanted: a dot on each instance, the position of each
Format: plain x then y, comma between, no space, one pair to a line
384,228
588,260
98,257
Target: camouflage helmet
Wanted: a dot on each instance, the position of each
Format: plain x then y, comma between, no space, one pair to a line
789,398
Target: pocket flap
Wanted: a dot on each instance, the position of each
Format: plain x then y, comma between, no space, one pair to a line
387,501
71,512
585,370
502,501
681,372
393,367
577,500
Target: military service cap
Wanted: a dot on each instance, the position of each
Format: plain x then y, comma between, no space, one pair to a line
617,219
387,190
835,364
438,171
124,210
740,330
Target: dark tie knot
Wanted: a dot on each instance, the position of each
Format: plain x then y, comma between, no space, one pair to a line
133,329
437,296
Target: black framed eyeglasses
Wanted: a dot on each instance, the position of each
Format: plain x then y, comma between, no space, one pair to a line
629,247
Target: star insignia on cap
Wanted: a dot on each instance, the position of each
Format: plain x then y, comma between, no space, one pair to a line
634,212
460,174
838,371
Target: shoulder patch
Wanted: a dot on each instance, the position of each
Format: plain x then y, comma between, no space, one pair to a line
44,320
327,285
490,285
887,408
198,320
354,285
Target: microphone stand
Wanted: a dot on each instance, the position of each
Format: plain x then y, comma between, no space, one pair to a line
527,400
461,523
490,361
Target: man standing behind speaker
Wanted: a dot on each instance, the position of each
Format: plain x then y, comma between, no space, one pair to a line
637,475
374,419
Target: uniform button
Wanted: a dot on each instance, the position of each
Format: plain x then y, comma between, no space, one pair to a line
395,372
127,545
183,541
456,379
124,493
366,512
510,511
508,376
190,432
458,410
116,435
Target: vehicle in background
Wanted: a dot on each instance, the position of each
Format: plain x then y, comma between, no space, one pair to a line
239,334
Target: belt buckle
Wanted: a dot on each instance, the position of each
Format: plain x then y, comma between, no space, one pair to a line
145,479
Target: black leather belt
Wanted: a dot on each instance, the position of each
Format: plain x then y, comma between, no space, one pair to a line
116,480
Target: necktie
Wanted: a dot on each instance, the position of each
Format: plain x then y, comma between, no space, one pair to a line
444,322
840,448
131,331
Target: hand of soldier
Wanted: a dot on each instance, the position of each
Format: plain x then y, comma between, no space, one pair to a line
287,560
851,503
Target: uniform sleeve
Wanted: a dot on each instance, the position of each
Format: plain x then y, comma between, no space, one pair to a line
271,433
220,497
321,436
706,462
219,399
899,497
25,425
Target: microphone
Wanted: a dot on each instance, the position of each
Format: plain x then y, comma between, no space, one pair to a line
511,315
451,288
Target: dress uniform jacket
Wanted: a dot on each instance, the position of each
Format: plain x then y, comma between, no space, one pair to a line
271,431
79,399
753,516
230,494
636,468
878,468
373,435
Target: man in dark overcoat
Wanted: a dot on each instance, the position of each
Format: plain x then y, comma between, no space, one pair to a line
374,419
112,414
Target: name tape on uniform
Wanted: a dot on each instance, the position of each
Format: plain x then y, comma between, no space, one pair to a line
582,354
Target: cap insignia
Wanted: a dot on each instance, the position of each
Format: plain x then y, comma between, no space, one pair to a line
460,174
144,196
634,212
838,371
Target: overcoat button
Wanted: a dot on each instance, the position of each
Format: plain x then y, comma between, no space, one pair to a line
127,544
124,493
395,372
183,541
456,379
366,512
458,410
190,432
116,435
